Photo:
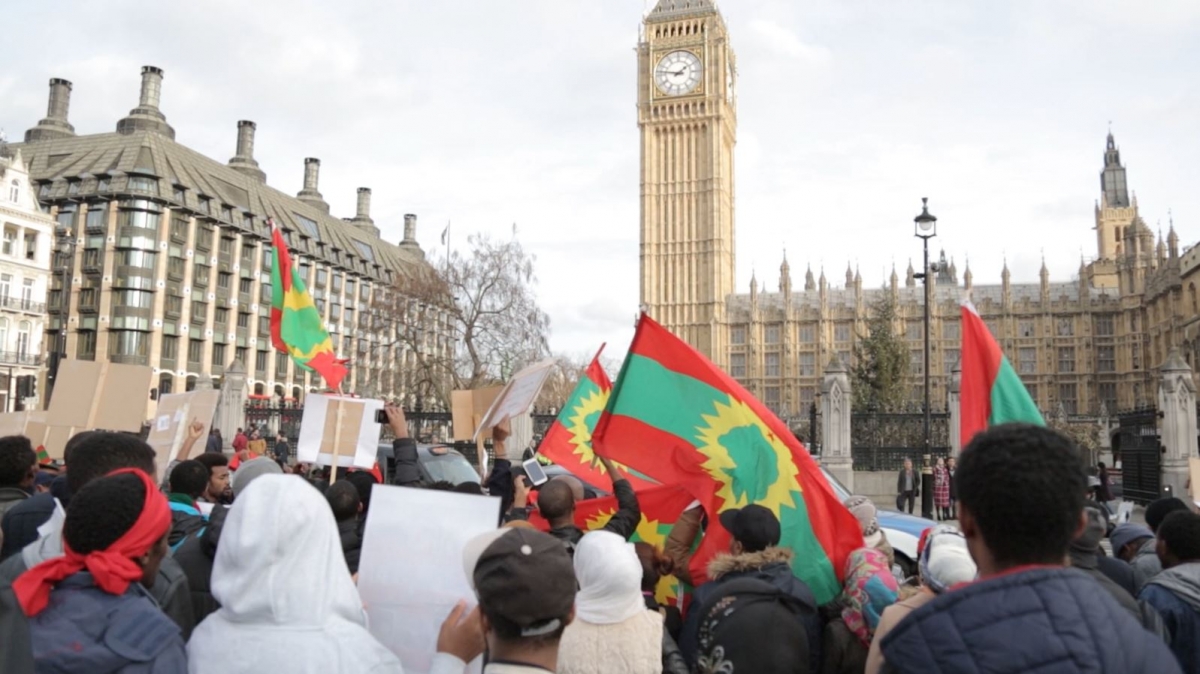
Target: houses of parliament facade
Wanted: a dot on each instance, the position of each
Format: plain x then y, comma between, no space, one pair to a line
1088,345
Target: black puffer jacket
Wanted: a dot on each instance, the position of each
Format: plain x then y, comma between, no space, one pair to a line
196,557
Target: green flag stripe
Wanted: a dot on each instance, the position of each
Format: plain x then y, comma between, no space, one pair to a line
1010,400
584,389
656,396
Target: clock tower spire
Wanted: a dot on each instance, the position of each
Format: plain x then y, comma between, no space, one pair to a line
687,116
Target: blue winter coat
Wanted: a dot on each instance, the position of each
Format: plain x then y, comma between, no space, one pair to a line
1175,593
84,629
1036,621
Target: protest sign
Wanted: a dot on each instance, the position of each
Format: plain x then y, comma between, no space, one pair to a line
467,409
518,394
17,423
411,572
169,426
92,396
339,430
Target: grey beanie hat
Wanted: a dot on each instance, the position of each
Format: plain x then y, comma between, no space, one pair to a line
251,470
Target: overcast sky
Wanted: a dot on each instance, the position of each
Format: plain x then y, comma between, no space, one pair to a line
487,113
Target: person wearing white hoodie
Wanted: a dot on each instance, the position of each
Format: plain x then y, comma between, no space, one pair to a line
288,603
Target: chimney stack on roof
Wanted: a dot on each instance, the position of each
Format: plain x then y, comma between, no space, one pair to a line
410,230
243,161
363,214
310,195
55,125
146,116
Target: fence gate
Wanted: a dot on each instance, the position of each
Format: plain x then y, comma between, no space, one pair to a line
883,440
1137,447
275,417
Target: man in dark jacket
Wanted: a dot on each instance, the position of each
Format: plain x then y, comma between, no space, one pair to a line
215,444
18,468
196,557
281,450
188,482
94,454
1026,613
406,472
556,502
346,505
754,553
1176,591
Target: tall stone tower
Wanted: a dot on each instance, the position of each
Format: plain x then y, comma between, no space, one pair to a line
1115,212
688,122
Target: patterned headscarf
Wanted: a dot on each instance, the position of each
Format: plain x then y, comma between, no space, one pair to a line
870,588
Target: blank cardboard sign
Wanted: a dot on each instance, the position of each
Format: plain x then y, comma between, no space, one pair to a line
168,427
94,396
467,409
354,439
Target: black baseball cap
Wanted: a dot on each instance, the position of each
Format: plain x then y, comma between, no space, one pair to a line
523,576
755,527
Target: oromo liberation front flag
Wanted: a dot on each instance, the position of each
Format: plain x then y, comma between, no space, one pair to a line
990,392
296,326
679,419
661,506
568,442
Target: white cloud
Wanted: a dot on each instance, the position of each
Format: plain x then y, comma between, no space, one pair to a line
783,41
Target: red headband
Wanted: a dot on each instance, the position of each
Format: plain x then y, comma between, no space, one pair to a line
113,568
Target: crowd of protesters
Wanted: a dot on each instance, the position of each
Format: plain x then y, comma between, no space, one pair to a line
254,571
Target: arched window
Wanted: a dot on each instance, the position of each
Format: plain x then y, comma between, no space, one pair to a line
258,389
23,330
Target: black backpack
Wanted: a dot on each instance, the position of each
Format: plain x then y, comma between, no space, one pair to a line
753,626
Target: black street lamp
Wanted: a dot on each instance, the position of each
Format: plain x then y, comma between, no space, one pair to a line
925,228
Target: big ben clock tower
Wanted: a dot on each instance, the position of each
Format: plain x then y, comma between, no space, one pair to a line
687,117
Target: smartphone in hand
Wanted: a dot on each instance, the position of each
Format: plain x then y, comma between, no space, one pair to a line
533,471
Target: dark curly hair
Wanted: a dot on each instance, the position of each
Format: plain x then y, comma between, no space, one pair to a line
94,454
1158,510
1024,486
1180,533
343,500
103,511
17,458
190,477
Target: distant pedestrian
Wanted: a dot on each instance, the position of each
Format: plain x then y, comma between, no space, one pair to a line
941,489
1104,489
951,466
257,445
216,444
281,450
240,441
908,487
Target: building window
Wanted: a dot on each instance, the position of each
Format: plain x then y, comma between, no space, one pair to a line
807,334
737,335
174,304
1066,359
195,350
6,285
170,347
1066,327
772,398
772,365
322,277
808,364
1027,360
224,280
916,361
949,360
10,241
774,331
737,365
143,184
1033,392
226,246
1066,397
1025,329
221,315
199,312
950,330
14,191
23,330
218,354
200,274
1137,356
1104,326
136,299
137,258
243,320
96,219
914,330
841,332
1106,359
128,343
807,396
86,346
260,361
1107,394
264,325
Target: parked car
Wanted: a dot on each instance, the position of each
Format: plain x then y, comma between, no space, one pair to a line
436,462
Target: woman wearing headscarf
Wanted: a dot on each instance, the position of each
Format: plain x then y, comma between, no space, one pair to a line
870,588
867,515
88,611
613,631
288,603
944,561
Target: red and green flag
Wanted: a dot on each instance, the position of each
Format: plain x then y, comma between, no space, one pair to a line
661,507
297,328
679,419
990,392
568,442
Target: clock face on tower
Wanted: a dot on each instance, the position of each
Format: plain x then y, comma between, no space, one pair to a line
678,73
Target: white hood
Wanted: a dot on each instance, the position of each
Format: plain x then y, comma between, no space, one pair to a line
287,601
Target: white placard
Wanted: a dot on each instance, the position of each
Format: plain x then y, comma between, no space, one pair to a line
359,442
411,572
518,395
